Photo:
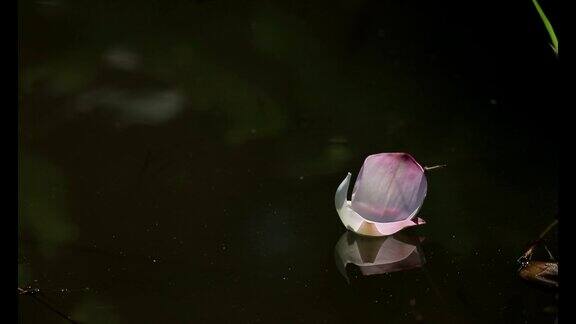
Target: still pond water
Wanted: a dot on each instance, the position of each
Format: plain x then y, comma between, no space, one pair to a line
178,160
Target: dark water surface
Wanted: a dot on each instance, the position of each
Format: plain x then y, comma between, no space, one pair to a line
178,160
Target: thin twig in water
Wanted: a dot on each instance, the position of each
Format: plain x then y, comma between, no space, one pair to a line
34,293
426,168
525,258
547,229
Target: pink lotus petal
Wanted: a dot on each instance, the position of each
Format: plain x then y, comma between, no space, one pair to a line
390,205
390,187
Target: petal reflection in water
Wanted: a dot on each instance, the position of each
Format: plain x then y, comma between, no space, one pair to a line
377,255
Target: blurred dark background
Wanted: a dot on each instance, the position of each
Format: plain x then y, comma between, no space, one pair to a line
178,159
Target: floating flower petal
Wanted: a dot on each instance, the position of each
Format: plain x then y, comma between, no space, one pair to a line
388,194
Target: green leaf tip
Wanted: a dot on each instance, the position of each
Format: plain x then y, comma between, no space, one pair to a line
548,26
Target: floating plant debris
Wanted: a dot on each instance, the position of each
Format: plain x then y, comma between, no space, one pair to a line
388,193
543,273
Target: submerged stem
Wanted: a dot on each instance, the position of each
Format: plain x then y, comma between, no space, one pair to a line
35,294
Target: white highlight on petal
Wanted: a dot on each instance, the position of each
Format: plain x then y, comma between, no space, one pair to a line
356,223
